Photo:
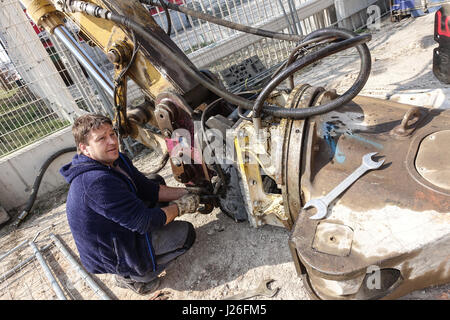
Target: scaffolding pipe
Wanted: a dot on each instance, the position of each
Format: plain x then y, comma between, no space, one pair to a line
47,272
84,275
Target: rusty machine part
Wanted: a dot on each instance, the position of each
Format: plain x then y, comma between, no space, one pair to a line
394,221
384,236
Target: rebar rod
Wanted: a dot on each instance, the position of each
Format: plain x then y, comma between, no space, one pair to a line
11,271
84,275
47,272
13,249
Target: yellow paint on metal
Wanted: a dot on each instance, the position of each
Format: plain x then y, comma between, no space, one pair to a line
104,34
43,13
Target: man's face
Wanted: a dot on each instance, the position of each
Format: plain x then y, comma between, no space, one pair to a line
102,145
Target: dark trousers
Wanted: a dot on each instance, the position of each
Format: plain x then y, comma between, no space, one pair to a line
169,241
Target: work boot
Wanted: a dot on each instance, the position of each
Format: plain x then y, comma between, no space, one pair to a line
141,288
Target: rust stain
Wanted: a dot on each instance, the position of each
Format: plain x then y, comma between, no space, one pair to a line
437,200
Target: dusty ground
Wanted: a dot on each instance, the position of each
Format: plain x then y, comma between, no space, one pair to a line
230,257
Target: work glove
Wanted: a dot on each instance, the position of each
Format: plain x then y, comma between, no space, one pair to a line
187,204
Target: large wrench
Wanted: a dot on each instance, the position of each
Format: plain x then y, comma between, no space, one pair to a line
321,204
262,290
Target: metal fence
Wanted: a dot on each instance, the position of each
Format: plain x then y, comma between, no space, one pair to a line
43,88
222,50
40,90
217,48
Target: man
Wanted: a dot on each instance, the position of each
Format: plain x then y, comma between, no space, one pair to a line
111,210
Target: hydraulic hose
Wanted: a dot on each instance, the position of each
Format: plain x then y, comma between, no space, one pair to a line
37,183
351,40
258,107
169,19
227,23
96,11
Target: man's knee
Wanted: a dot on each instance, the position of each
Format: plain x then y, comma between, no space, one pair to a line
191,235
157,178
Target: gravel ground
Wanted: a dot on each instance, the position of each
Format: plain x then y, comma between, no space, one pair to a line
228,257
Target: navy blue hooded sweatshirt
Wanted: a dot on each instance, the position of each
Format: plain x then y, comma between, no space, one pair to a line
109,220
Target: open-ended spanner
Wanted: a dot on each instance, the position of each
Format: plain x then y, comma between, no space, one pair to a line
262,290
321,204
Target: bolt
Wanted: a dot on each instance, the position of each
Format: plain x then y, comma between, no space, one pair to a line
112,56
253,182
432,137
167,133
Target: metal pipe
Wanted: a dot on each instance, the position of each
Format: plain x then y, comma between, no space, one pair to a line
286,17
13,249
292,11
26,241
47,272
84,275
91,67
11,271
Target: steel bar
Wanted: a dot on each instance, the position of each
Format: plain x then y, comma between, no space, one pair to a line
91,67
47,272
84,275
13,249
20,245
11,271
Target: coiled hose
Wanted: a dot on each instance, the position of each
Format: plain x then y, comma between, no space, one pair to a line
350,39
37,183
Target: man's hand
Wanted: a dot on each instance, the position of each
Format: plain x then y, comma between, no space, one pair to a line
187,204
198,190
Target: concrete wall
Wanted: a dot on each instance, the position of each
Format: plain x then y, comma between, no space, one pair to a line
18,171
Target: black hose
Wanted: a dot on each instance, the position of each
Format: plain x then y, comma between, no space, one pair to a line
351,40
227,23
259,107
169,19
37,182
157,44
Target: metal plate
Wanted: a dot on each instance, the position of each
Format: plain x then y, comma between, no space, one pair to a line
432,161
332,238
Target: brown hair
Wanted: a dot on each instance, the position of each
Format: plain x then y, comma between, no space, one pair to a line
84,124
